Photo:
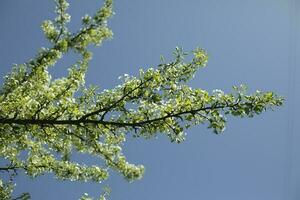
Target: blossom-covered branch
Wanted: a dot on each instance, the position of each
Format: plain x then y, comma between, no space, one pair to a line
47,121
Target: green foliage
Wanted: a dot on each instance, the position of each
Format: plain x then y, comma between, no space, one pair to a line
6,190
49,120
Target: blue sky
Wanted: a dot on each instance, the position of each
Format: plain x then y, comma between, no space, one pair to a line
255,42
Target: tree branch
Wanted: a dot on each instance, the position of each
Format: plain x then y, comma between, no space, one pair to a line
113,123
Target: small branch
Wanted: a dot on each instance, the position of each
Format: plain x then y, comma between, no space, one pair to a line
107,109
8,168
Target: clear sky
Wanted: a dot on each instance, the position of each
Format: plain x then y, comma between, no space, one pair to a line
255,42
